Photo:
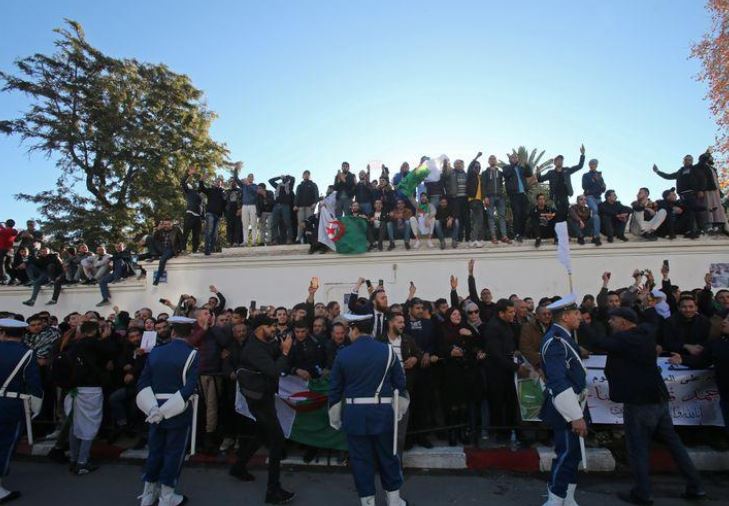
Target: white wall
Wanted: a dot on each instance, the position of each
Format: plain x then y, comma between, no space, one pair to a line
281,275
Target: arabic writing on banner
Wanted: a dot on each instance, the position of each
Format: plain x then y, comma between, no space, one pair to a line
694,397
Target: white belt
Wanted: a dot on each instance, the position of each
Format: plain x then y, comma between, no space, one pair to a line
14,395
369,400
163,397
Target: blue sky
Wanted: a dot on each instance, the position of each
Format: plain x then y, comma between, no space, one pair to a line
306,84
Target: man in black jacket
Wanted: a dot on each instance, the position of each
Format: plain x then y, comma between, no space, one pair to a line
42,269
262,365
344,184
167,243
215,210
560,183
283,201
690,185
500,345
307,195
484,301
193,212
613,217
687,331
515,179
308,356
635,380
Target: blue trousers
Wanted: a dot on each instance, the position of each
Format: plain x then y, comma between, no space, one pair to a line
211,231
564,466
367,453
166,454
9,434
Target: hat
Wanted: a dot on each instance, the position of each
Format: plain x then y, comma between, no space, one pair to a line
12,323
353,318
262,320
658,294
563,304
667,192
181,320
625,313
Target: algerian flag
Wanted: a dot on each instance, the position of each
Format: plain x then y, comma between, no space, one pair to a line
326,216
302,409
563,245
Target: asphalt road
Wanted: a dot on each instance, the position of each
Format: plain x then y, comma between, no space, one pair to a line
119,484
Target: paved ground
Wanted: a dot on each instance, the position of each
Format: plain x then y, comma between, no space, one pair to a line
118,484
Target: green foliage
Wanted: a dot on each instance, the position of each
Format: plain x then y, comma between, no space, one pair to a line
532,159
120,131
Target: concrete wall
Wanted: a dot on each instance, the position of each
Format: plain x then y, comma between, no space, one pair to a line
280,275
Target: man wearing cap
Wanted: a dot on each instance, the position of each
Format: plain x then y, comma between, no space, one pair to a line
262,363
564,399
367,398
21,394
164,389
635,380
560,183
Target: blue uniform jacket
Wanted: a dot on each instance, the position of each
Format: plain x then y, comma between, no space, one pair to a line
26,381
163,372
357,372
563,369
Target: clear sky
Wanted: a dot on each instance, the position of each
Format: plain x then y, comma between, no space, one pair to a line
306,84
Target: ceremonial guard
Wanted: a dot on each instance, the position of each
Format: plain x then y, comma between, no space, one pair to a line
367,398
564,400
165,389
21,395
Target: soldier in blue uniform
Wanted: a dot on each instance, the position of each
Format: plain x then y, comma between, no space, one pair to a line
164,390
363,399
21,394
564,399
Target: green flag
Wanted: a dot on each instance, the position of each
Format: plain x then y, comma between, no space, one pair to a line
349,234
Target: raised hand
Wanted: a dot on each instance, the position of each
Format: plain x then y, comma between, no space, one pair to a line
582,149
471,263
454,282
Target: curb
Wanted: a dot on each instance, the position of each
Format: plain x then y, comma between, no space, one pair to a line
529,460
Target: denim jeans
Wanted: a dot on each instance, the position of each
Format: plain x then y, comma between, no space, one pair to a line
576,231
38,281
440,229
281,212
475,208
643,422
112,276
593,203
497,211
394,229
366,207
343,205
211,231
166,255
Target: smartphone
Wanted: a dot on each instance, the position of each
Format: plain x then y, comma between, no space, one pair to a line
665,264
162,301
609,274
381,283
369,283
253,304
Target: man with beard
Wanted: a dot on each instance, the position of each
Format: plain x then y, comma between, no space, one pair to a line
409,355
485,301
261,366
377,306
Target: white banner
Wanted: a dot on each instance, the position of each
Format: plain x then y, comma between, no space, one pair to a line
694,397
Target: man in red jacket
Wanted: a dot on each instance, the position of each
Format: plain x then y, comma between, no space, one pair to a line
7,238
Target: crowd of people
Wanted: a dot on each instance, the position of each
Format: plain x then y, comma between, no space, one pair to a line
459,353
470,205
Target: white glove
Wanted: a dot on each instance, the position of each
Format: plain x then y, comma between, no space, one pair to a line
155,415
